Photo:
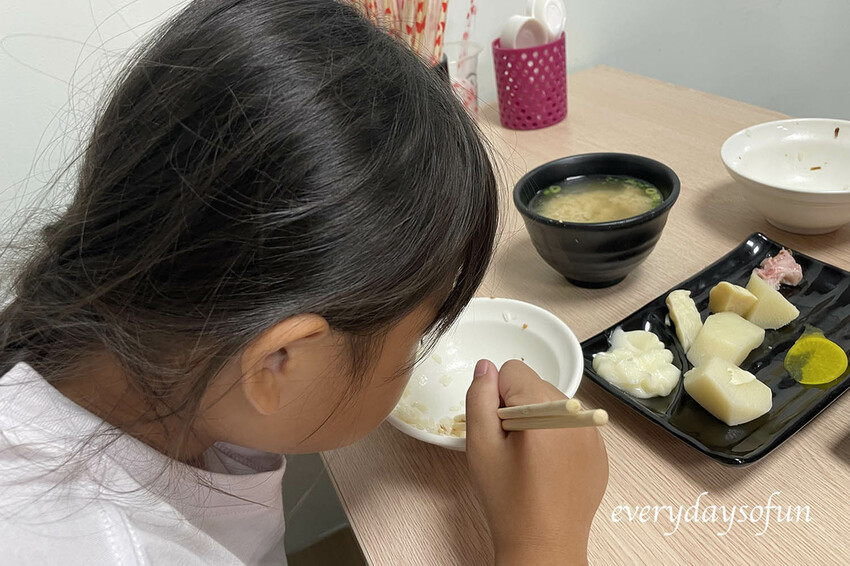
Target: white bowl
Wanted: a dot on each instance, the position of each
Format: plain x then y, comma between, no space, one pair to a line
795,172
498,330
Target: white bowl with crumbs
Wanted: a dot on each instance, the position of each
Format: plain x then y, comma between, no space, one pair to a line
796,173
489,328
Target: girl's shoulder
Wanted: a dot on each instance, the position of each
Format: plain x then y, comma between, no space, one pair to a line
96,532
76,491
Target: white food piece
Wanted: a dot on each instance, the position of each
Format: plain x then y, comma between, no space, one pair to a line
772,310
725,335
684,314
729,393
413,415
638,363
726,297
416,415
448,426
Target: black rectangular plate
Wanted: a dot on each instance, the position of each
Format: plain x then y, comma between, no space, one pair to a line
823,298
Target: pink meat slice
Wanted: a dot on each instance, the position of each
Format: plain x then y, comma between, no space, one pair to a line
781,269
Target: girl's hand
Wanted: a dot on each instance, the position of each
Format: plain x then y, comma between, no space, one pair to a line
540,488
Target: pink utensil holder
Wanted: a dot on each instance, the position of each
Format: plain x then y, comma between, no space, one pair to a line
531,84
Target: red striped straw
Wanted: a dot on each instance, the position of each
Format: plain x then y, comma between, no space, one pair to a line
470,20
388,13
419,30
432,25
421,24
440,41
467,32
408,22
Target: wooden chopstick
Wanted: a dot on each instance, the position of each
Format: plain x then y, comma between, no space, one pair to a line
547,409
566,413
596,417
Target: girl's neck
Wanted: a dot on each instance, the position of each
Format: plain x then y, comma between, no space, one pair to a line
99,385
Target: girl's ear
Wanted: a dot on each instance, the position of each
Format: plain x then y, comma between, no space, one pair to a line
274,358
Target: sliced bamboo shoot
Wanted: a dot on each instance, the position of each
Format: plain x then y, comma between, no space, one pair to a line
727,336
684,314
726,297
729,393
772,310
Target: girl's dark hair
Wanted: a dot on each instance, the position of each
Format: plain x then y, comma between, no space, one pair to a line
257,159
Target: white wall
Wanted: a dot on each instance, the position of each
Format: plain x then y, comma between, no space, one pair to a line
787,55
56,56
791,55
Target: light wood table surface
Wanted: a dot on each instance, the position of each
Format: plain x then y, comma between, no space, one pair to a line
411,503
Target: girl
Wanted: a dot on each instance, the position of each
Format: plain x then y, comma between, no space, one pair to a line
278,202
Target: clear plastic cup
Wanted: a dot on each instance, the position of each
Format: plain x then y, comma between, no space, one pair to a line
463,71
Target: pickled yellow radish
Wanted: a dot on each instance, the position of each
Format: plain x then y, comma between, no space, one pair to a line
772,310
814,359
727,336
729,393
684,314
726,297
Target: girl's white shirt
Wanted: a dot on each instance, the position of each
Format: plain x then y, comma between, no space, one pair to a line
75,491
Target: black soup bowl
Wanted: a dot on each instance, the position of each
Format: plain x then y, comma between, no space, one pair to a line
596,254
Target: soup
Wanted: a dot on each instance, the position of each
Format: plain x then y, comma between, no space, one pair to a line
596,198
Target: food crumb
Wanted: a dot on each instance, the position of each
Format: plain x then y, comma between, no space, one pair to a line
524,326
836,133
437,358
492,297
446,380
814,168
458,426
522,359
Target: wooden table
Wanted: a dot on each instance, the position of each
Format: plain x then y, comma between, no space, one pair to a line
411,503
